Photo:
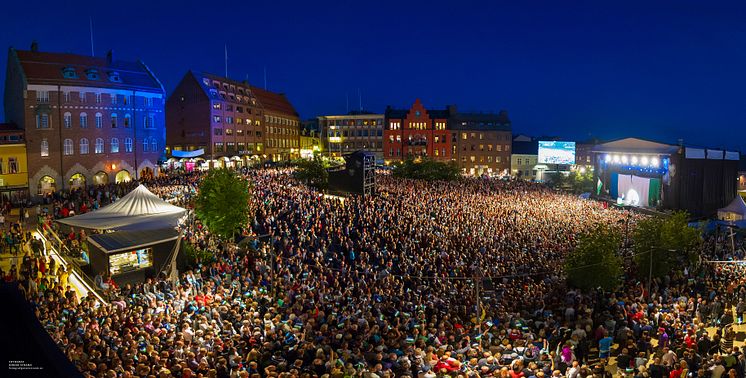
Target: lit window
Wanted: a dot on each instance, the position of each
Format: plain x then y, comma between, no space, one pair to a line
113,120
145,145
99,121
83,120
153,144
44,147
127,144
114,145
216,119
99,147
127,120
81,95
68,120
66,96
69,73
68,146
98,98
84,146
42,97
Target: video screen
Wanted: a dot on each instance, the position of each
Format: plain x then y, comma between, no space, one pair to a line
554,152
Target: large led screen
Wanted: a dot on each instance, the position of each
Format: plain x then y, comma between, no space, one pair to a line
555,152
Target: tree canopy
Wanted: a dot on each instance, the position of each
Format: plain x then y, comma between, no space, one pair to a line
595,262
427,169
222,203
668,239
313,172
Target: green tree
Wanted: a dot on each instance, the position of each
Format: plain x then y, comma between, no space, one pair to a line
427,169
222,203
595,261
666,241
313,172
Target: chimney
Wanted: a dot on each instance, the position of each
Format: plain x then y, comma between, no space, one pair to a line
35,46
109,56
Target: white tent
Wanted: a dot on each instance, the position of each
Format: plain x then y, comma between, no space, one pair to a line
735,211
138,210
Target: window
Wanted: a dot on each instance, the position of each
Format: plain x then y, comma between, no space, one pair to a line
229,120
99,147
228,131
66,96
127,144
149,122
153,144
498,147
218,147
114,145
69,73
218,131
216,105
68,147
81,95
472,158
84,146
98,98
44,148
83,120
497,159
99,121
127,120
12,165
113,120
145,145
114,99
114,76
68,120
42,97
42,121
216,119
92,74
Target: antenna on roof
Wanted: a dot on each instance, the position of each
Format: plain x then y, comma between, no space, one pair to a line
226,60
265,78
90,22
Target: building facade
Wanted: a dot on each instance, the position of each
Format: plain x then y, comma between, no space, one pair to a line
87,120
524,160
310,141
233,122
479,143
344,134
13,165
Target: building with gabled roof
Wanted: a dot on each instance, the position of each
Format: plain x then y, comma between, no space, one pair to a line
232,122
87,120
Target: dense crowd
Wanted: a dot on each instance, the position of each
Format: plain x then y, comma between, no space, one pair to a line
388,286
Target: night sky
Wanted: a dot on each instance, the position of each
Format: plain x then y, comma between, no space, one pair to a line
575,69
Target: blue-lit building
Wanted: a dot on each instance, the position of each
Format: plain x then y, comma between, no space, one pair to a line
87,120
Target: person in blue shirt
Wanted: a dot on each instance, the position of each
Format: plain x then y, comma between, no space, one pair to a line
604,346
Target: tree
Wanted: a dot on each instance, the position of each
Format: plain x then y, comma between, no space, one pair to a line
595,261
670,240
222,203
581,182
313,172
427,169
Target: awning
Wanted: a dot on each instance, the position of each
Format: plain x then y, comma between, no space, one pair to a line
131,240
187,154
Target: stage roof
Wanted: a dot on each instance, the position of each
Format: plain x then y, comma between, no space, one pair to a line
636,145
138,210
121,241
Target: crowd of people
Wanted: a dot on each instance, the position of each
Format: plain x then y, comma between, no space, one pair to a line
421,280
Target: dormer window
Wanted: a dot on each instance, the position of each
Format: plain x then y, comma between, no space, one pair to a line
114,77
91,74
69,73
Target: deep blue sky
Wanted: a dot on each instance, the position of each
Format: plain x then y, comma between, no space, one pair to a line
605,69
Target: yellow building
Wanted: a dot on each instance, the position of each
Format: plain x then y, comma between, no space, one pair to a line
13,164
310,144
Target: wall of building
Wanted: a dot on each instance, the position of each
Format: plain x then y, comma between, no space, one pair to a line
343,134
13,176
523,166
188,118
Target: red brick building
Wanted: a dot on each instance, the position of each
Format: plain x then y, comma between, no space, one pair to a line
232,121
87,120
478,142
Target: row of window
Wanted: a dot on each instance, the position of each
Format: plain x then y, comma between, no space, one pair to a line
283,143
42,97
473,159
359,145
280,120
43,121
242,96
243,148
498,147
354,122
237,121
357,133
148,144
218,131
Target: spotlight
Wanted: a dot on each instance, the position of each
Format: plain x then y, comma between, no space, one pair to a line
644,160
582,170
654,162
624,159
616,158
634,160
607,158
